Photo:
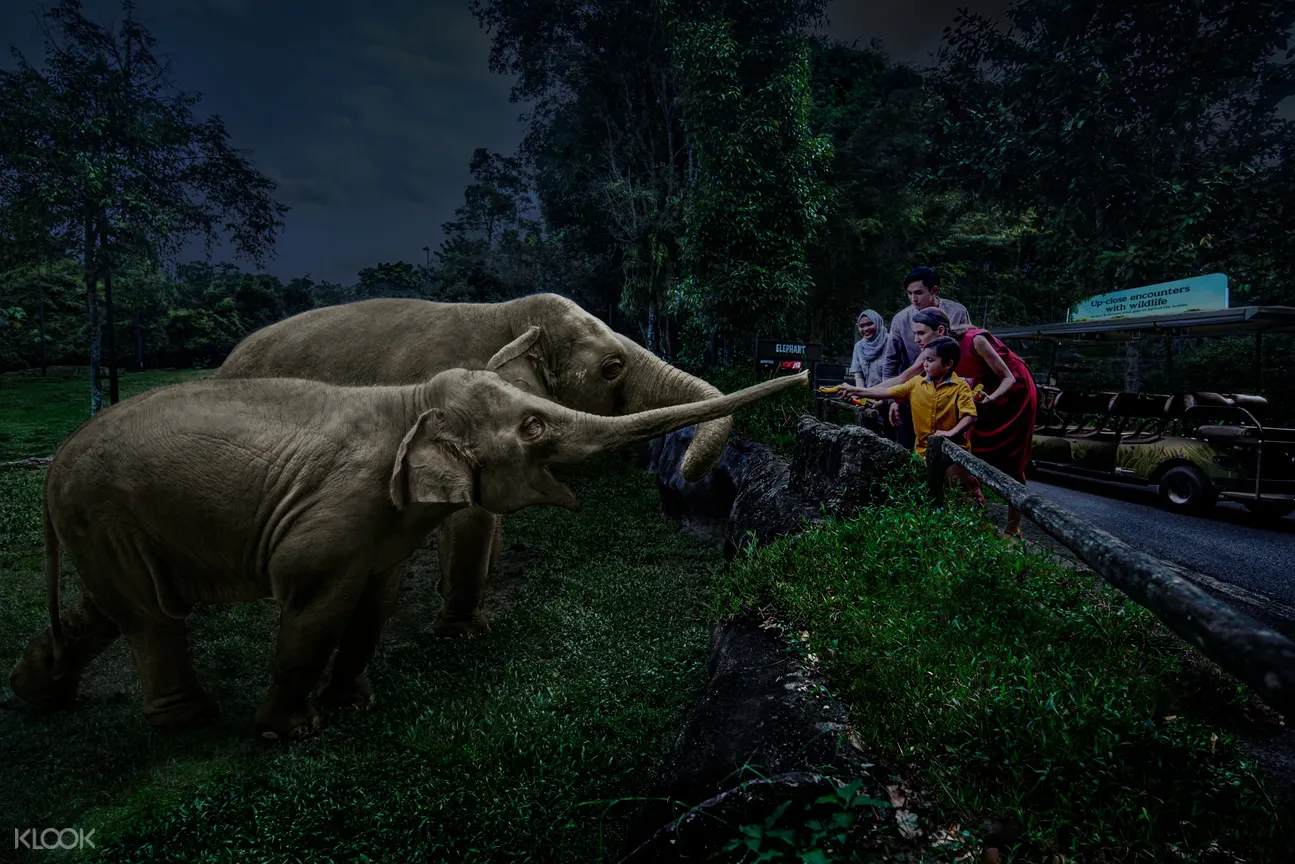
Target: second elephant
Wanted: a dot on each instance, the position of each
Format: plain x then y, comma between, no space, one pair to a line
543,343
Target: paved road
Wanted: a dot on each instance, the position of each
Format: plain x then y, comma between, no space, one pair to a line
1226,544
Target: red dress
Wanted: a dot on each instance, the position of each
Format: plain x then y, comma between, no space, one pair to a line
1004,429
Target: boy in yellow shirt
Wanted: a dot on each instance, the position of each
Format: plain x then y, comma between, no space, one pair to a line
942,404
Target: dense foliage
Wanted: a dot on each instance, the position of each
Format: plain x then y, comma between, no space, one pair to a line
699,173
102,159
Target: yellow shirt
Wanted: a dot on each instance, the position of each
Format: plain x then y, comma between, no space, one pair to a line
936,405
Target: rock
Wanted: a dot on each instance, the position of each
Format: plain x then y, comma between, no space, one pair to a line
703,507
765,732
764,715
842,467
836,469
766,507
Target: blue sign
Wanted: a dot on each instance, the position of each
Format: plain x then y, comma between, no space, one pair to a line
1198,294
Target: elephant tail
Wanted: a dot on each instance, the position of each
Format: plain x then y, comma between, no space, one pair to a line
53,565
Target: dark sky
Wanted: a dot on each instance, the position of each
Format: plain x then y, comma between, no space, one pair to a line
366,113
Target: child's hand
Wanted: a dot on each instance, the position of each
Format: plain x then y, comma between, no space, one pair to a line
942,433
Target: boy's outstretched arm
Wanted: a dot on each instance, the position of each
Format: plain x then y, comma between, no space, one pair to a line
877,392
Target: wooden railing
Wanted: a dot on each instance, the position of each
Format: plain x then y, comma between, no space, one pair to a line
1252,653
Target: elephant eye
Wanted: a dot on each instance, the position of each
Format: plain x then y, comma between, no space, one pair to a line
612,368
532,428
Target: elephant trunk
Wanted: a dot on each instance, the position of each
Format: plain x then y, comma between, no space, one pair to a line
593,435
657,384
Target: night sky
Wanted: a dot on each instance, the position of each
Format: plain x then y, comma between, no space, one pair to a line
366,113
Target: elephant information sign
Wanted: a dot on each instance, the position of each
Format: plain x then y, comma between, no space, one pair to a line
782,356
1198,294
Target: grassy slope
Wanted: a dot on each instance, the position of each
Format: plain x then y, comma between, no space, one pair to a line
1018,690
506,748
38,413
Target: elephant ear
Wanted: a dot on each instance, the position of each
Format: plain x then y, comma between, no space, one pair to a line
523,344
432,466
523,364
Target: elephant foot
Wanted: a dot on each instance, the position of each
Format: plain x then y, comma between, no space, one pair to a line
353,694
43,691
42,682
287,725
461,628
183,711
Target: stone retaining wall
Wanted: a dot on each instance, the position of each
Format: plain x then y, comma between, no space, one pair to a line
753,492
767,731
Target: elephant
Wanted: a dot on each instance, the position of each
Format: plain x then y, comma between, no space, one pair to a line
575,360
228,491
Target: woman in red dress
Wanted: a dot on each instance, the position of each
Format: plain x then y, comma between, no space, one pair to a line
1004,430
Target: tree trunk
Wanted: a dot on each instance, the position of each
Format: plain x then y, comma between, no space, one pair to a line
667,343
92,318
653,325
110,327
139,343
40,305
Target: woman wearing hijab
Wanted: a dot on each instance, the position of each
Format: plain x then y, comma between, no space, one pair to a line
866,365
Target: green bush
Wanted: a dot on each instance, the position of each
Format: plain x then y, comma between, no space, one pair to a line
772,421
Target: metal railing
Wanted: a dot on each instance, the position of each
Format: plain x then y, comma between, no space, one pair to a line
1252,653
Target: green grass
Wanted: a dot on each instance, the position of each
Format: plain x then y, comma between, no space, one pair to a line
40,412
1018,690
1010,688
520,746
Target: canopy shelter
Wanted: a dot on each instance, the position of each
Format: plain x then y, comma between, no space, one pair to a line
1217,322
1242,320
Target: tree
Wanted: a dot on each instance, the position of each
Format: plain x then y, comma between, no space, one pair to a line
51,298
605,144
756,194
617,159
298,295
483,255
494,201
110,150
391,280
874,112
1144,136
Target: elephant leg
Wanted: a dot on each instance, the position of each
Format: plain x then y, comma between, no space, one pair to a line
308,633
496,545
347,686
41,680
467,546
173,696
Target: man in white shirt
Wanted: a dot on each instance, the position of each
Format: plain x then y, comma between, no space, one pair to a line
922,287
